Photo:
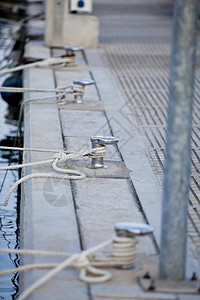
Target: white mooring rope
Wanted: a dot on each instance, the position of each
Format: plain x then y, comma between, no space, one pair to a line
86,262
34,90
45,63
61,92
58,157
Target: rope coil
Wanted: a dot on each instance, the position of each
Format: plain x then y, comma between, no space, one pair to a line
124,252
97,153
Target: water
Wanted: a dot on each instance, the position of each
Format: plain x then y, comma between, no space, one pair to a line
9,217
9,222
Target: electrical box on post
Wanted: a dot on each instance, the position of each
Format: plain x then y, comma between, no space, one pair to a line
63,27
80,6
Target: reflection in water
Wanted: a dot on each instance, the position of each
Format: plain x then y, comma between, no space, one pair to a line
11,50
9,216
12,115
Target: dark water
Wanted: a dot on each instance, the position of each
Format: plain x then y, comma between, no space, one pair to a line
9,217
9,221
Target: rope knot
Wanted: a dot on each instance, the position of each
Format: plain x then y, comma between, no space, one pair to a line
60,157
81,262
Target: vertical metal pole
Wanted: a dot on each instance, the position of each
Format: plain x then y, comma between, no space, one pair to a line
177,160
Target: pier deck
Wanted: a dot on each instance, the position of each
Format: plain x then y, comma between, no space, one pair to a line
129,101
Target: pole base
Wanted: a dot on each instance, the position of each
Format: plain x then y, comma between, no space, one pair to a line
153,284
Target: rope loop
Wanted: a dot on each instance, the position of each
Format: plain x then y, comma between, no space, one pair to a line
96,275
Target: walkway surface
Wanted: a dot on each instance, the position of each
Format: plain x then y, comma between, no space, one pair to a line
129,101
136,38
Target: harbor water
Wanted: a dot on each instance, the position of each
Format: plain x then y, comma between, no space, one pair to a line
9,217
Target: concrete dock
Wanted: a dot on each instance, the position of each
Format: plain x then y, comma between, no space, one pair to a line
129,101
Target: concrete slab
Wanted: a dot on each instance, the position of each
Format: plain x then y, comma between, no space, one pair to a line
98,227
62,288
86,105
83,123
37,49
100,194
115,169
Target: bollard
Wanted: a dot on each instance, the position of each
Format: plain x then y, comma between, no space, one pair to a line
81,83
100,141
131,231
70,50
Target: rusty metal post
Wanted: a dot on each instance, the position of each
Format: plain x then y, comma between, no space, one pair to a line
177,160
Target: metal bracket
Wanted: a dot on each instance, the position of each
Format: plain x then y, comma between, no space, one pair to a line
152,284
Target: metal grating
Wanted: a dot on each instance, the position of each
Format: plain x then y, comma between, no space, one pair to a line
136,37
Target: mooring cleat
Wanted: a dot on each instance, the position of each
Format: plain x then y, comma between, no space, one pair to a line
80,84
97,142
126,229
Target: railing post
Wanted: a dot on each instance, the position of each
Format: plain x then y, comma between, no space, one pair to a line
177,160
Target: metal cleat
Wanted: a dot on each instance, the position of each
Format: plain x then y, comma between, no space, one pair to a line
71,49
100,141
80,84
126,229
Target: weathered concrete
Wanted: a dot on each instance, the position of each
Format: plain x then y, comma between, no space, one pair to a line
86,105
84,123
